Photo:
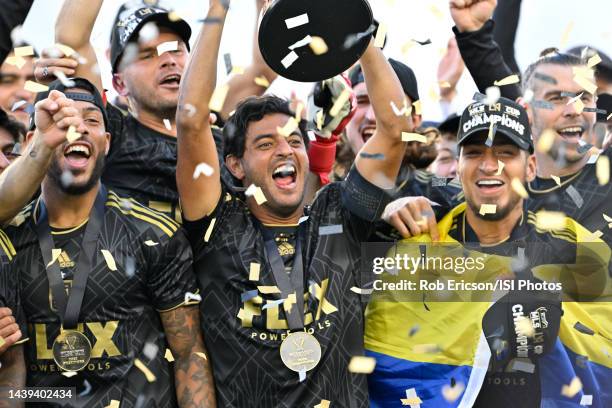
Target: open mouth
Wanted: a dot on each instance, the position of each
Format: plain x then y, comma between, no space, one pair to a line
571,134
488,186
172,81
77,155
285,176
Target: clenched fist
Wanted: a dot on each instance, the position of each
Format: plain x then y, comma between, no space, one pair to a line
470,15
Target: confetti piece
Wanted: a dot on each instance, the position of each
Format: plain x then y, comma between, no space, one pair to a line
69,374
289,59
546,141
301,43
248,295
425,348
302,375
69,83
271,304
145,370
204,169
110,261
72,135
362,365
411,399
452,393
586,84
609,117
167,124
168,356
55,253
608,220
2,341
583,329
566,34
311,135
488,209
35,87
209,230
572,389
500,167
113,404
381,35
602,170
218,98
579,106
330,229
436,12
519,188
262,81
237,71
65,49
493,95
526,367
413,137
24,51
509,80
254,269
318,45
594,60
444,84
290,127
340,102
201,355
192,297
298,111
417,107
19,62
575,196
324,404
550,220
586,400
297,21
268,290
257,193
361,291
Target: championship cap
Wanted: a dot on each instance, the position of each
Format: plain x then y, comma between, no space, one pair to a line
508,118
130,21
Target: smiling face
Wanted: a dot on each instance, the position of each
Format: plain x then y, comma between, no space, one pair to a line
273,162
564,119
478,171
151,81
82,161
12,81
445,164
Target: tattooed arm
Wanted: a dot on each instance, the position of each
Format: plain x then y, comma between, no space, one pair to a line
12,374
194,382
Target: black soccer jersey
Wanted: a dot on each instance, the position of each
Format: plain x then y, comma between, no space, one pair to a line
142,163
9,283
142,265
244,323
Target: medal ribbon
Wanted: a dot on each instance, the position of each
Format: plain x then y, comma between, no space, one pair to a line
69,308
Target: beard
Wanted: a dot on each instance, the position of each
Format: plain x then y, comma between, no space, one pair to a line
55,175
147,99
500,213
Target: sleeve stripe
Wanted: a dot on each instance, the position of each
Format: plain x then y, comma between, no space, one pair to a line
137,208
161,226
7,245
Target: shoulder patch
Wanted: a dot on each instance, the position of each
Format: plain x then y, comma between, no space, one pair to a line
131,207
6,246
22,216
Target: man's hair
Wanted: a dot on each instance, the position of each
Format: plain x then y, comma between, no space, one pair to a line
550,56
12,126
253,109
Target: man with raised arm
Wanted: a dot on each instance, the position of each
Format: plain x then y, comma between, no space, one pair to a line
276,279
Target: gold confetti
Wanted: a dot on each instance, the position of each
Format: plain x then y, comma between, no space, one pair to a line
340,102
584,72
407,47
35,87
110,261
145,370
201,355
546,141
55,253
268,290
238,71
209,230
488,209
417,107
586,84
318,45
254,269
556,179
550,220
436,12
500,167
362,365
509,80
602,170
595,236
24,51
413,137
566,34
524,326
444,84
381,35
579,106
19,62
2,341
218,98
519,188
169,355
324,404
72,135
289,127
298,111
608,220
411,399
262,81
425,348
594,60
174,16
572,389
452,394
113,404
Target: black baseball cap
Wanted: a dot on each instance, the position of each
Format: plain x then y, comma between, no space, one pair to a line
404,73
509,117
130,21
93,96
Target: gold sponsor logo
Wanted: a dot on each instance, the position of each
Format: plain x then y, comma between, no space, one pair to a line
65,261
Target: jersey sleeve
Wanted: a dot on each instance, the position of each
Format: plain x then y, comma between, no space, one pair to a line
170,278
9,284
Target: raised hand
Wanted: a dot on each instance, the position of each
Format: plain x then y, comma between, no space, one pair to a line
53,116
450,69
53,59
9,330
470,15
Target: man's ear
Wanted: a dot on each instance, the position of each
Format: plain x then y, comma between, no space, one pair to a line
234,164
119,85
107,136
531,168
521,101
